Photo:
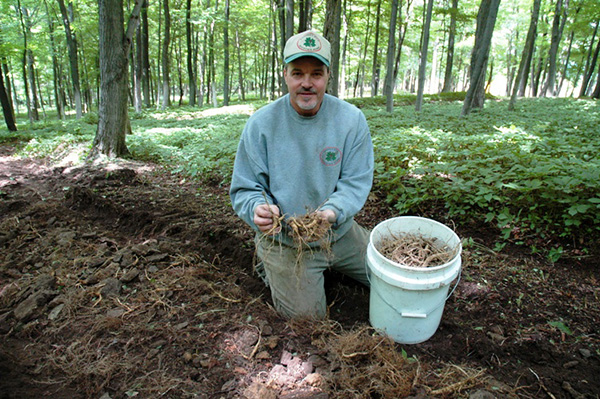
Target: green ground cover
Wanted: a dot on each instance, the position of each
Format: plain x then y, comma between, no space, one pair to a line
534,172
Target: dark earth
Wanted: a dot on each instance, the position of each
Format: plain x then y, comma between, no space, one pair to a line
123,280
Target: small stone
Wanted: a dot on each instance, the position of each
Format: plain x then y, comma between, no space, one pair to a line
111,287
481,394
585,352
53,315
259,391
263,355
315,380
131,275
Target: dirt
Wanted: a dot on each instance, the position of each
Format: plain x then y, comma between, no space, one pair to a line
123,280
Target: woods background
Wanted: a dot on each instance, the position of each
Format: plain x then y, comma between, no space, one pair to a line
213,52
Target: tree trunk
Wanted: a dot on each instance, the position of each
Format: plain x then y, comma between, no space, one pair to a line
190,53
450,55
240,66
401,35
557,27
113,48
389,67
589,66
375,70
7,86
145,57
289,19
72,49
527,53
331,32
363,60
137,76
423,60
60,113
9,117
28,76
166,100
304,15
226,56
486,20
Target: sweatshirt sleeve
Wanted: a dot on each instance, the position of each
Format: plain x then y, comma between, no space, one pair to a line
356,176
250,178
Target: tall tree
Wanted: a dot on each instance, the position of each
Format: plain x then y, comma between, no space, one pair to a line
590,63
305,11
166,100
450,53
9,116
190,52
60,111
28,68
486,20
423,57
114,45
226,56
67,18
331,32
145,56
375,70
557,30
389,64
526,54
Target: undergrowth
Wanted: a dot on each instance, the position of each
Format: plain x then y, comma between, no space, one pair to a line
533,173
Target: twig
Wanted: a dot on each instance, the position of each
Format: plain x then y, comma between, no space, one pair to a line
542,384
456,386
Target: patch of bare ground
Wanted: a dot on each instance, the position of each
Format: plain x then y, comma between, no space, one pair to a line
122,280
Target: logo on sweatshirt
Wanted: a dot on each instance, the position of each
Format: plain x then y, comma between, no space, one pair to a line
330,156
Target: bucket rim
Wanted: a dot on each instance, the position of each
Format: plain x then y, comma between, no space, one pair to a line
415,268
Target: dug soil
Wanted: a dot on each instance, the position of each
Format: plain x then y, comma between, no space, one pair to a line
122,280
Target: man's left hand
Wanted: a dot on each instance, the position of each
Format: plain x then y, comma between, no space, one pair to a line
327,214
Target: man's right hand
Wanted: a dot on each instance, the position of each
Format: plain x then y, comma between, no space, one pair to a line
264,218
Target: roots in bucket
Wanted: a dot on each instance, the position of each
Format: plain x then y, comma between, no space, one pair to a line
416,250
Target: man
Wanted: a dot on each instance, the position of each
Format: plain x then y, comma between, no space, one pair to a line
306,151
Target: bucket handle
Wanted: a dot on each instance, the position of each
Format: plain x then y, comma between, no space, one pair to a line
411,314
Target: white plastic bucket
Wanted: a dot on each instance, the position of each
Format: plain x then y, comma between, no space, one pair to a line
406,303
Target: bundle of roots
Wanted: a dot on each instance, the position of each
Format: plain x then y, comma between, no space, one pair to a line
308,228
416,250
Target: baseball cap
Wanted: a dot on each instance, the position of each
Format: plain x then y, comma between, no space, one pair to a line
307,43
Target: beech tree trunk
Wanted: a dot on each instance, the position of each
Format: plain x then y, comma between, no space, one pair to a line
423,61
527,53
166,100
73,62
190,53
375,70
226,56
389,63
113,45
486,20
9,117
557,30
331,32
450,55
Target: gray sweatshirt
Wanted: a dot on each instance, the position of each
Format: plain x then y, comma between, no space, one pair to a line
303,163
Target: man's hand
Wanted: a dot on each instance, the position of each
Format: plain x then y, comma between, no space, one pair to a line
266,218
327,214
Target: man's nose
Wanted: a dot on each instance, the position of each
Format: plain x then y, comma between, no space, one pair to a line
306,81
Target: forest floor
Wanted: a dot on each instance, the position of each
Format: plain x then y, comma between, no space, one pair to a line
123,280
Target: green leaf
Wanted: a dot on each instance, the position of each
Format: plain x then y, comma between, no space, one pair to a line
561,326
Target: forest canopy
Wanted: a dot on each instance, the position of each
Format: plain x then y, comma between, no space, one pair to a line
210,52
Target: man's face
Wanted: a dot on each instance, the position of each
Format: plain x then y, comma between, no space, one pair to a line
306,79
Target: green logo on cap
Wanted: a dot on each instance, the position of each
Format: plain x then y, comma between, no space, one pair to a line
310,42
